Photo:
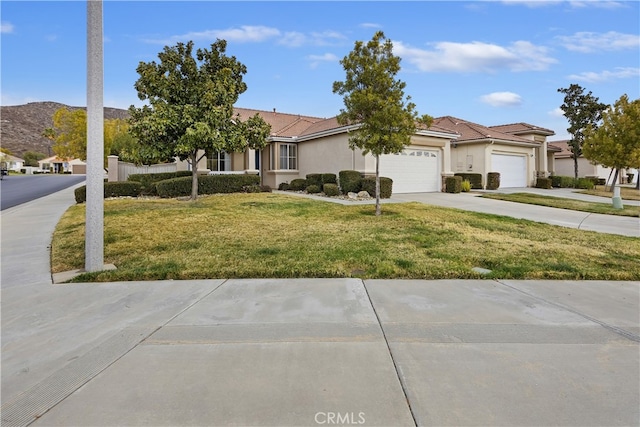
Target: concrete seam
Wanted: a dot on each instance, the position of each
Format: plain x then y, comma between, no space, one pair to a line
626,334
403,385
583,220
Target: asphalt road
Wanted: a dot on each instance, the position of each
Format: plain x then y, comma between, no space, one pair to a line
18,189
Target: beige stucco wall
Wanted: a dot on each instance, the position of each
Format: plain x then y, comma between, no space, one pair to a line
564,167
476,158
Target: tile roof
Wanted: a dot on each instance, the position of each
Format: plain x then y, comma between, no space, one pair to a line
563,146
470,131
282,124
522,128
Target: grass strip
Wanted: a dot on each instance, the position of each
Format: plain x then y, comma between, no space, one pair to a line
277,236
625,192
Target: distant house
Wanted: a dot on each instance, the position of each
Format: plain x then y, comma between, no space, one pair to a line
56,164
13,163
300,145
565,165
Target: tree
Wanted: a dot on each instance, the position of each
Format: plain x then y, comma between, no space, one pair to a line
70,133
31,158
375,101
616,143
190,109
581,111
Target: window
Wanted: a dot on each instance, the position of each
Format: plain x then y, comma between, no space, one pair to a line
288,157
219,161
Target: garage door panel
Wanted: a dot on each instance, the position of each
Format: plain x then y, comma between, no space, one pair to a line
412,171
512,169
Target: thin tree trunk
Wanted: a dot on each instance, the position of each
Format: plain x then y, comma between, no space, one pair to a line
378,211
615,178
575,166
605,184
194,176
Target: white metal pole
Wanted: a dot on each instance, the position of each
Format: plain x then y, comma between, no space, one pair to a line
94,233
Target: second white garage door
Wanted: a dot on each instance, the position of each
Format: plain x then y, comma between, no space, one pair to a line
512,168
412,171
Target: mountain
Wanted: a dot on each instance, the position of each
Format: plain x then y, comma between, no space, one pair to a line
21,126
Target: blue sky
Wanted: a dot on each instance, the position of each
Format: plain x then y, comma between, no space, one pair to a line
491,62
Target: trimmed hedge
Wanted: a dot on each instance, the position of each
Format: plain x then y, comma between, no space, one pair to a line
313,189
493,180
298,184
111,189
331,190
453,184
208,184
350,181
584,184
474,178
369,185
543,183
329,178
148,180
314,179
559,181
284,186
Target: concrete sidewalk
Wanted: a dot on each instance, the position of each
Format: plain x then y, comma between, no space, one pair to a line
308,351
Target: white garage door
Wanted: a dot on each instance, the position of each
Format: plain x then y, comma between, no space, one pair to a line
412,171
512,168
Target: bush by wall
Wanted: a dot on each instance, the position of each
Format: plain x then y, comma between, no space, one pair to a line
329,178
314,179
465,186
313,189
331,190
207,184
111,189
584,183
453,184
474,178
543,183
284,186
148,180
298,184
350,181
493,180
369,185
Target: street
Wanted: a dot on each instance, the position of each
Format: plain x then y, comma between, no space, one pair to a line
18,189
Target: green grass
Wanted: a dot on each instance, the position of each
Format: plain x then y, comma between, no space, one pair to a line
625,192
562,203
278,236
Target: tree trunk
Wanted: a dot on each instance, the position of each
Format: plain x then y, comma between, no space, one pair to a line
194,175
378,212
615,178
575,166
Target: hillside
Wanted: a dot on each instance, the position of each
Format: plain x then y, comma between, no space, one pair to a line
21,126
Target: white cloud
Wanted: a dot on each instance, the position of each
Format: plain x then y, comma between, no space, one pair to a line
602,4
317,59
293,39
6,27
243,34
502,99
370,25
325,38
530,3
476,57
587,42
556,112
603,76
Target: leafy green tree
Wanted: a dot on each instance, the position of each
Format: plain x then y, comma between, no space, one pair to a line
6,151
374,99
70,133
616,143
31,158
581,110
190,109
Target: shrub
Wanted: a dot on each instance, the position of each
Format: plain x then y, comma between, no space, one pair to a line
601,181
329,178
265,189
369,185
493,180
284,186
629,178
453,184
331,190
314,179
543,183
313,189
298,184
350,181
584,183
23,170
207,184
475,179
465,186
252,189
148,180
111,189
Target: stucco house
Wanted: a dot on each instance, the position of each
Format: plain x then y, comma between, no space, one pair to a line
300,145
55,164
13,163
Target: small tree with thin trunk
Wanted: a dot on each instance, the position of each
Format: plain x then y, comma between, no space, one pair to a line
374,100
190,109
581,110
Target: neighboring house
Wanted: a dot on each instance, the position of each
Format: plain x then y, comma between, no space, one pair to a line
300,145
517,151
13,163
56,164
565,164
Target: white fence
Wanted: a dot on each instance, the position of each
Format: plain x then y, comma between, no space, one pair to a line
125,169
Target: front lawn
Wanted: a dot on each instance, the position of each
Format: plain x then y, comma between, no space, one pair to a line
278,236
562,203
625,192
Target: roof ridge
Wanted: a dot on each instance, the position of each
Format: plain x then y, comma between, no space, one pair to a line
278,112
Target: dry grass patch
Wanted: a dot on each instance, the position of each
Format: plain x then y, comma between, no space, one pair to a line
625,192
269,235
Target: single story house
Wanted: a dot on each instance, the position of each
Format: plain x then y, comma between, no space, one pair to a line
300,145
13,163
565,165
55,164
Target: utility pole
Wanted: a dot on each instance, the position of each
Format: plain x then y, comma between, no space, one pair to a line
94,222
